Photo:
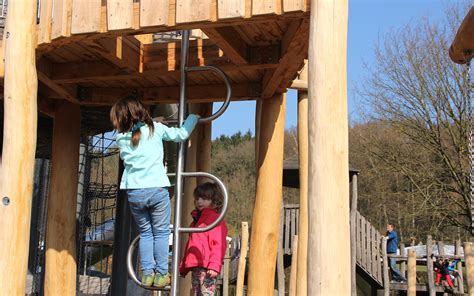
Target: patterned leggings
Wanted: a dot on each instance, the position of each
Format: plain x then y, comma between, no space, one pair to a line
203,285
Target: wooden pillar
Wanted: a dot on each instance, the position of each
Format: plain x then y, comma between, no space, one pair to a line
203,160
353,234
460,281
294,259
19,145
328,190
242,260
429,266
386,278
469,260
301,266
268,201
411,280
60,277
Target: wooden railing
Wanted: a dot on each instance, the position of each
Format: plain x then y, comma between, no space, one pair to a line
368,248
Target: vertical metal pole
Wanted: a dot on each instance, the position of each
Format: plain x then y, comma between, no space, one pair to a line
121,241
179,165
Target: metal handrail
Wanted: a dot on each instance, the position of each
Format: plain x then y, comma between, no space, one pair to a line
224,77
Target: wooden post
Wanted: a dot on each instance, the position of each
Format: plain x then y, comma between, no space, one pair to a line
469,259
60,276
268,201
225,272
203,160
386,278
353,234
19,145
403,265
411,273
460,281
294,260
242,259
328,190
301,266
429,266
258,117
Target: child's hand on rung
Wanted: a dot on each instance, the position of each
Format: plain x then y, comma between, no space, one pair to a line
212,273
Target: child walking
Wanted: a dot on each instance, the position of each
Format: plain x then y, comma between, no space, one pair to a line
140,142
205,251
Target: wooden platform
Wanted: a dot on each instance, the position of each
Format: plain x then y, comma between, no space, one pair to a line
92,54
419,287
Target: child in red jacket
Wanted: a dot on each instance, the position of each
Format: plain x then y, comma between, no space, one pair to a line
205,251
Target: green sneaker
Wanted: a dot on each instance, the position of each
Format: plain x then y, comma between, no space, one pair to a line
162,281
147,280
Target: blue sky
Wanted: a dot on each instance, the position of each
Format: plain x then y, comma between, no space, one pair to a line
369,20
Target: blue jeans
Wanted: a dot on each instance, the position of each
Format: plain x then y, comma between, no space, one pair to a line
396,274
151,210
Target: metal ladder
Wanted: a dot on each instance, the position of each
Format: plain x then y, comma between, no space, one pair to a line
177,229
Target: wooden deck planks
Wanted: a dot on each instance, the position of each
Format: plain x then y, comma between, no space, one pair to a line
86,16
154,12
189,11
120,14
230,9
45,22
294,5
261,7
61,19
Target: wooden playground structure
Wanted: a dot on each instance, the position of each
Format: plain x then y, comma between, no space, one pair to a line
73,57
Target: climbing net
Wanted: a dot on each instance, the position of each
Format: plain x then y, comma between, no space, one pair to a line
96,213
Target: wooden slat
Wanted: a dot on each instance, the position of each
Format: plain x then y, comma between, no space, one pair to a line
294,5
189,11
45,23
429,265
358,246
120,14
151,16
374,251
363,242
368,244
386,279
230,9
86,16
287,232
61,19
260,7
403,267
242,259
293,227
297,223
379,258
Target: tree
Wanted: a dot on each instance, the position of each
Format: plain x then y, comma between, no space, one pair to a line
417,91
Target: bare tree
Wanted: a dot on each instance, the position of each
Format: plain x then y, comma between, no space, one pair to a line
416,90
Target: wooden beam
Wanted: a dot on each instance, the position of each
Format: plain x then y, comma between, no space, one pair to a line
244,245
268,201
328,157
19,146
411,280
43,68
196,94
123,52
294,49
229,40
301,278
159,60
60,277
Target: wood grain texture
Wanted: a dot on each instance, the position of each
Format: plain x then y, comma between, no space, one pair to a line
230,9
86,16
19,145
411,279
294,5
154,12
120,14
189,11
60,276
45,22
61,19
242,259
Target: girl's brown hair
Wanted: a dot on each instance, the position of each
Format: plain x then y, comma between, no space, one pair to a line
129,112
210,191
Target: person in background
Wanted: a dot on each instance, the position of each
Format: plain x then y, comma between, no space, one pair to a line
392,247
